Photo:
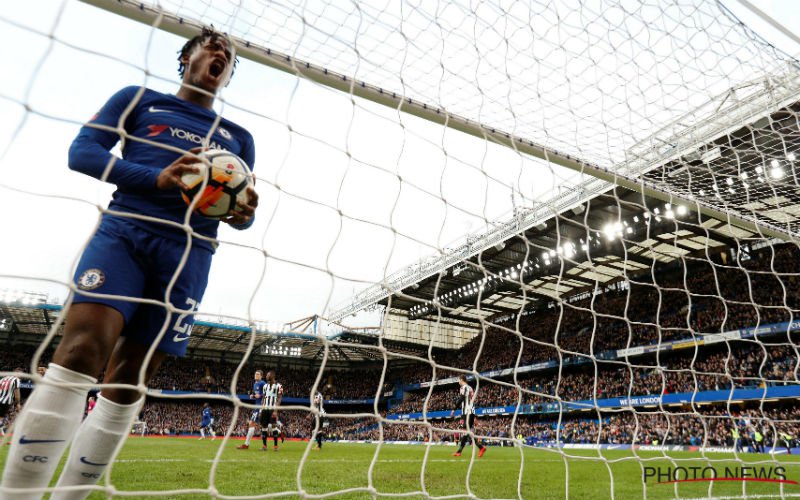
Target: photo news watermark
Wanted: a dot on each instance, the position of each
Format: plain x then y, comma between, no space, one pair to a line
693,474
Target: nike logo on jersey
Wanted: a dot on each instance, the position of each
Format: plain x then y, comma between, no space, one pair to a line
83,459
154,109
24,440
156,129
179,338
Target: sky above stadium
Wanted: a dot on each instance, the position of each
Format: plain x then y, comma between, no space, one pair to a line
319,154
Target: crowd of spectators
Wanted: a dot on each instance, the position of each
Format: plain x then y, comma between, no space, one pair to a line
208,376
695,298
746,365
174,417
711,427
692,299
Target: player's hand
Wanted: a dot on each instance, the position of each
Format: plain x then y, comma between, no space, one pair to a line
243,212
170,177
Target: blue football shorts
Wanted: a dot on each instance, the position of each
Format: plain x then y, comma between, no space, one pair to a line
124,259
254,415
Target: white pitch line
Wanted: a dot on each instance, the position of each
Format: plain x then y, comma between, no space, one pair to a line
331,460
748,497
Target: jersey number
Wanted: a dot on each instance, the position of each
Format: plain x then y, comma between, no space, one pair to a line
184,330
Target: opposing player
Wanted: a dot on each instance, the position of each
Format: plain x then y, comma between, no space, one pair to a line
140,424
207,422
257,395
318,403
465,402
270,423
141,250
9,394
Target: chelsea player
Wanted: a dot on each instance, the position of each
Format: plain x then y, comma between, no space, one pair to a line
207,422
257,394
135,254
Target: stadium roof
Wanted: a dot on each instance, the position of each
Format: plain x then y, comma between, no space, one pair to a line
738,153
25,323
597,243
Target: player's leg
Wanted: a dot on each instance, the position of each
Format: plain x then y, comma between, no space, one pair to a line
318,439
102,435
479,442
50,418
202,432
274,429
4,410
464,439
265,428
52,414
251,429
106,427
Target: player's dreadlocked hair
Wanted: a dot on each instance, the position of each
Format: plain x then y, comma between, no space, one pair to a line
207,33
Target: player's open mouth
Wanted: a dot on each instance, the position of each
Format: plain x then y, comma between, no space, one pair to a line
217,68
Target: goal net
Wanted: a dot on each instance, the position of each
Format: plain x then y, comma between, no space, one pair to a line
586,210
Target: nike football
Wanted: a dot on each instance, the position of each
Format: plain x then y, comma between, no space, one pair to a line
221,183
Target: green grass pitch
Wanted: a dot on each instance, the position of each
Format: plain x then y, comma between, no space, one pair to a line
164,464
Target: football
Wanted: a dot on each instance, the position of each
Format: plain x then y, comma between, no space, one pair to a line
221,182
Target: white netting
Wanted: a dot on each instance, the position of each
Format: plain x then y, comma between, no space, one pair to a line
609,333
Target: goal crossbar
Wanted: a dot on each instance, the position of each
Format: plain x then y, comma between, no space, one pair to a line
630,179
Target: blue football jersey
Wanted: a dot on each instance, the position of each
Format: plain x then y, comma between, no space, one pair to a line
207,417
154,120
258,390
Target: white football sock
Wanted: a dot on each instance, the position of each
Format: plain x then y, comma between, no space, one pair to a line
94,446
202,432
43,430
250,432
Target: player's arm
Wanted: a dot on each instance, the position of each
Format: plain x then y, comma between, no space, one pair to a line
18,396
244,215
459,402
90,152
278,401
